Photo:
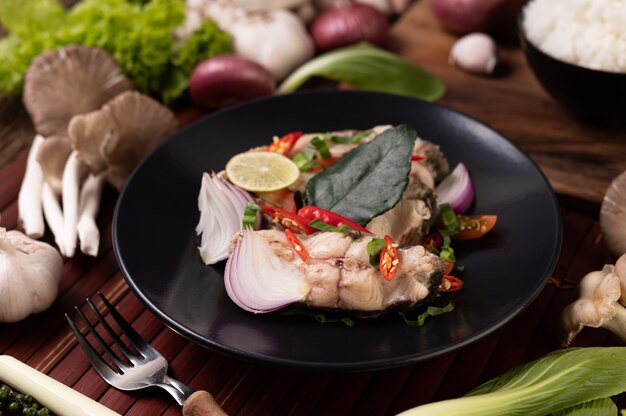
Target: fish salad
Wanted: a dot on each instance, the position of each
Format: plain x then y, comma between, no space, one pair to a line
353,220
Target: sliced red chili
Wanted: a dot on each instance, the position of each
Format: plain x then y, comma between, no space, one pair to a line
416,158
288,220
297,245
432,240
322,164
389,260
450,284
311,212
448,266
283,145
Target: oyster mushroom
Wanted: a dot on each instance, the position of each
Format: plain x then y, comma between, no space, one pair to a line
613,216
601,303
61,84
114,139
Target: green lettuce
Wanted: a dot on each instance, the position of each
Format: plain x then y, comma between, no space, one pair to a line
139,36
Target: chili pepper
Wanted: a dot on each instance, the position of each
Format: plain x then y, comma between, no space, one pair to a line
297,245
432,240
450,284
311,212
283,145
389,261
416,158
288,220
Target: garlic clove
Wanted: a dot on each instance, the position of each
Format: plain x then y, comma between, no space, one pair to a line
475,53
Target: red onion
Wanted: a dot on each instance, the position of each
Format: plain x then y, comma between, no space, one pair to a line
347,24
224,80
221,206
466,16
259,281
457,189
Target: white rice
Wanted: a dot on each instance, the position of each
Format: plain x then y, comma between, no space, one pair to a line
589,33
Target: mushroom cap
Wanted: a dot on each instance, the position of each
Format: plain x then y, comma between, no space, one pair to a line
117,137
60,84
72,80
613,216
599,293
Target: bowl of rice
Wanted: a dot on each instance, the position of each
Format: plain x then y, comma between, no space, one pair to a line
577,51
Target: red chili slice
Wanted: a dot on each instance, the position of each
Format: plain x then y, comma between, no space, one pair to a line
283,145
416,158
311,212
432,240
283,199
389,261
288,220
297,245
450,284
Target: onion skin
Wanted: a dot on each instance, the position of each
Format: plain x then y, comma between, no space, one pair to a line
347,24
466,16
225,80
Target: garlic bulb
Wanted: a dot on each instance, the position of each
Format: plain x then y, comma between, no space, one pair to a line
30,271
475,53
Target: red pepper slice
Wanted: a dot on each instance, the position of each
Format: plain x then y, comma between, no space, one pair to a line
448,266
416,158
283,145
432,240
450,284
389,261
289,220
297,245
311,212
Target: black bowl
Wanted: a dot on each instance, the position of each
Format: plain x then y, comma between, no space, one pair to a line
588,94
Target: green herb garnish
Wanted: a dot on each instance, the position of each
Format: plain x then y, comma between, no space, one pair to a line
374,247
250,217
319,144
319,316
350,139
430,311
304,161
322,226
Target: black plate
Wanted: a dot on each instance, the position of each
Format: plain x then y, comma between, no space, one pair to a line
155,241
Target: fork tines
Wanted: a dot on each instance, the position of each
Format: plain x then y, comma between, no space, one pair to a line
126,357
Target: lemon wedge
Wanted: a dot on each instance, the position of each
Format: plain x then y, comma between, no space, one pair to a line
261,171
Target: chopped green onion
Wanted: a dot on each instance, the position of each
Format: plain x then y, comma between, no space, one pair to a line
250,217
374,247
321,146
430,311
350,139
449,218
447,254
304,161
322,226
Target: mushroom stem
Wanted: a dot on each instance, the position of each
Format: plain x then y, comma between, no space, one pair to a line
53,214
72,178
617,324
30,213
90,196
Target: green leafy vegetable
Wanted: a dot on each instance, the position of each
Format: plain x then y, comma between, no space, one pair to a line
368,180
560,380
370,68
374,247
430,311
319,316
138,36
598,407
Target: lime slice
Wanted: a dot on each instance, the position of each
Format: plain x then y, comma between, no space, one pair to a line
261,171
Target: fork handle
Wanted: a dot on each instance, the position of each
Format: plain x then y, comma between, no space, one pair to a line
202,403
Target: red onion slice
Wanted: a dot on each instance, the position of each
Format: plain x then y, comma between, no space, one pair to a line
221,206
259,281
457,189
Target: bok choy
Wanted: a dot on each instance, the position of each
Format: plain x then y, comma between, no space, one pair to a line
565,381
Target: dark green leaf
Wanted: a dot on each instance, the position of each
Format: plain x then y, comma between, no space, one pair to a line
368,180
370,68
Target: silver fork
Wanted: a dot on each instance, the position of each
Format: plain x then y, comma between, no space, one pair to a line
145,369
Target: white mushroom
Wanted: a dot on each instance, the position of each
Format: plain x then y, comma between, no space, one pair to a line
73,176
613,216
88,232
29,198
53,214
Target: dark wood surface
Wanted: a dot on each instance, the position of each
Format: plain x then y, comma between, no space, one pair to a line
579,161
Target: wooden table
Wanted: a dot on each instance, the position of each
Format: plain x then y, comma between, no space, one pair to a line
579,160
